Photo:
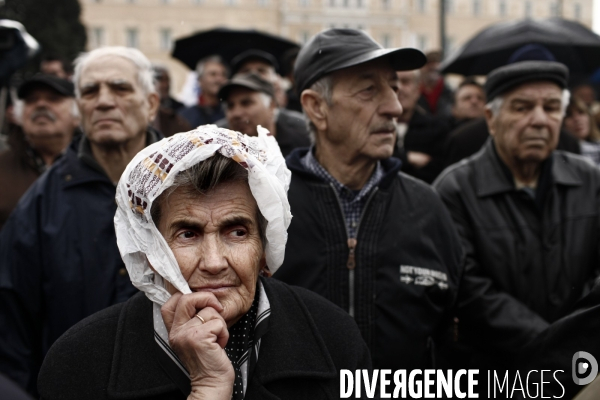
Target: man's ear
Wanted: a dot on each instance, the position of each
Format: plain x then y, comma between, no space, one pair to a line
489,118
154,102
315,107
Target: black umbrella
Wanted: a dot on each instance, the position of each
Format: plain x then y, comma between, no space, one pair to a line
228,43
570,42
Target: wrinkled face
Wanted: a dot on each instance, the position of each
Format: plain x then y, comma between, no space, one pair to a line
527,126
48,121
408,89
216,241
213,77
577,123
246,109
364,109
260,68
114,107
469,102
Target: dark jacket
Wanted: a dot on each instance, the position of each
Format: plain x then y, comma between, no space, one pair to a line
399,309
533,257
291,130
18,170
555,348
113,355
425,134
467,139
59,261
201,115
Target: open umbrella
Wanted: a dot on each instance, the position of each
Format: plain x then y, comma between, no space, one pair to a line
228,43
570,42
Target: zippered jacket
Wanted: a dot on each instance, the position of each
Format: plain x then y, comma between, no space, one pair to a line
398,278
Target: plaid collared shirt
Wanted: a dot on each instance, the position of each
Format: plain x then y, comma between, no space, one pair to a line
352,201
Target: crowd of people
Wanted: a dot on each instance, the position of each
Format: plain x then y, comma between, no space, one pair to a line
369,217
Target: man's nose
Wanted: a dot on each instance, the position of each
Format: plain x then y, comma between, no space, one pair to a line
390,106
539,116
213,260
106,98
234,112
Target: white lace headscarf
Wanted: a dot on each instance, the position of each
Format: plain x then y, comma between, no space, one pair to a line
154,169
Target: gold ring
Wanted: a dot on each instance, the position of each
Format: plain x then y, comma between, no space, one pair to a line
200,318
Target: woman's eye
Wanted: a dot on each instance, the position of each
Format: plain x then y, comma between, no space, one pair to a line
187,235
239,232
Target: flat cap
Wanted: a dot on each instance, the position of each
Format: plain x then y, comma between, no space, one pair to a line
247,81
508,77
252,54
59,85
336,49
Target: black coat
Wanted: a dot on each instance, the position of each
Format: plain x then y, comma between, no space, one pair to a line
400,310
554,348
533,259
425,134
113,353
59,261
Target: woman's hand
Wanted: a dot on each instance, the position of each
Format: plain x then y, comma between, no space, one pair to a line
200,345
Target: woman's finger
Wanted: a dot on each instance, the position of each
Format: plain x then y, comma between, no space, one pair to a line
210,314
189,305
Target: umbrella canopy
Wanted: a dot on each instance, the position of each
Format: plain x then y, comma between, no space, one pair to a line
228,43
570,42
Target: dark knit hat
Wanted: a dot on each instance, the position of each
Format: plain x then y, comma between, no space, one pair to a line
508,77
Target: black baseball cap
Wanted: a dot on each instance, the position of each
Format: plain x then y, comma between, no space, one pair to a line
336,49
59,85
247,81
508,77
252,54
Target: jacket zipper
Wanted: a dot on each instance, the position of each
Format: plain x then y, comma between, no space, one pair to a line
352,243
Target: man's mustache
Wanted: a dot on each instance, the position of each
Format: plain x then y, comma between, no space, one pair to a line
43,112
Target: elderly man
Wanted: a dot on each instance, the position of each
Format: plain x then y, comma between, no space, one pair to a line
59,260
374,241
528,215
49,117
201,223
264,65
212,74
249,102
420,135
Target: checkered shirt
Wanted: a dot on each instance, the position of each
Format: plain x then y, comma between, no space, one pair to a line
352,201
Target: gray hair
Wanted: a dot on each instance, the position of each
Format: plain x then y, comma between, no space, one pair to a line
203,177
145,74
324,88
20,107
495,105
201,66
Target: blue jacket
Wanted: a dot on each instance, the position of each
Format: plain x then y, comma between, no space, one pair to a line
59,262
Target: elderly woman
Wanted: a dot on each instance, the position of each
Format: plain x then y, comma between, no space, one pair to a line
580,123
201,224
